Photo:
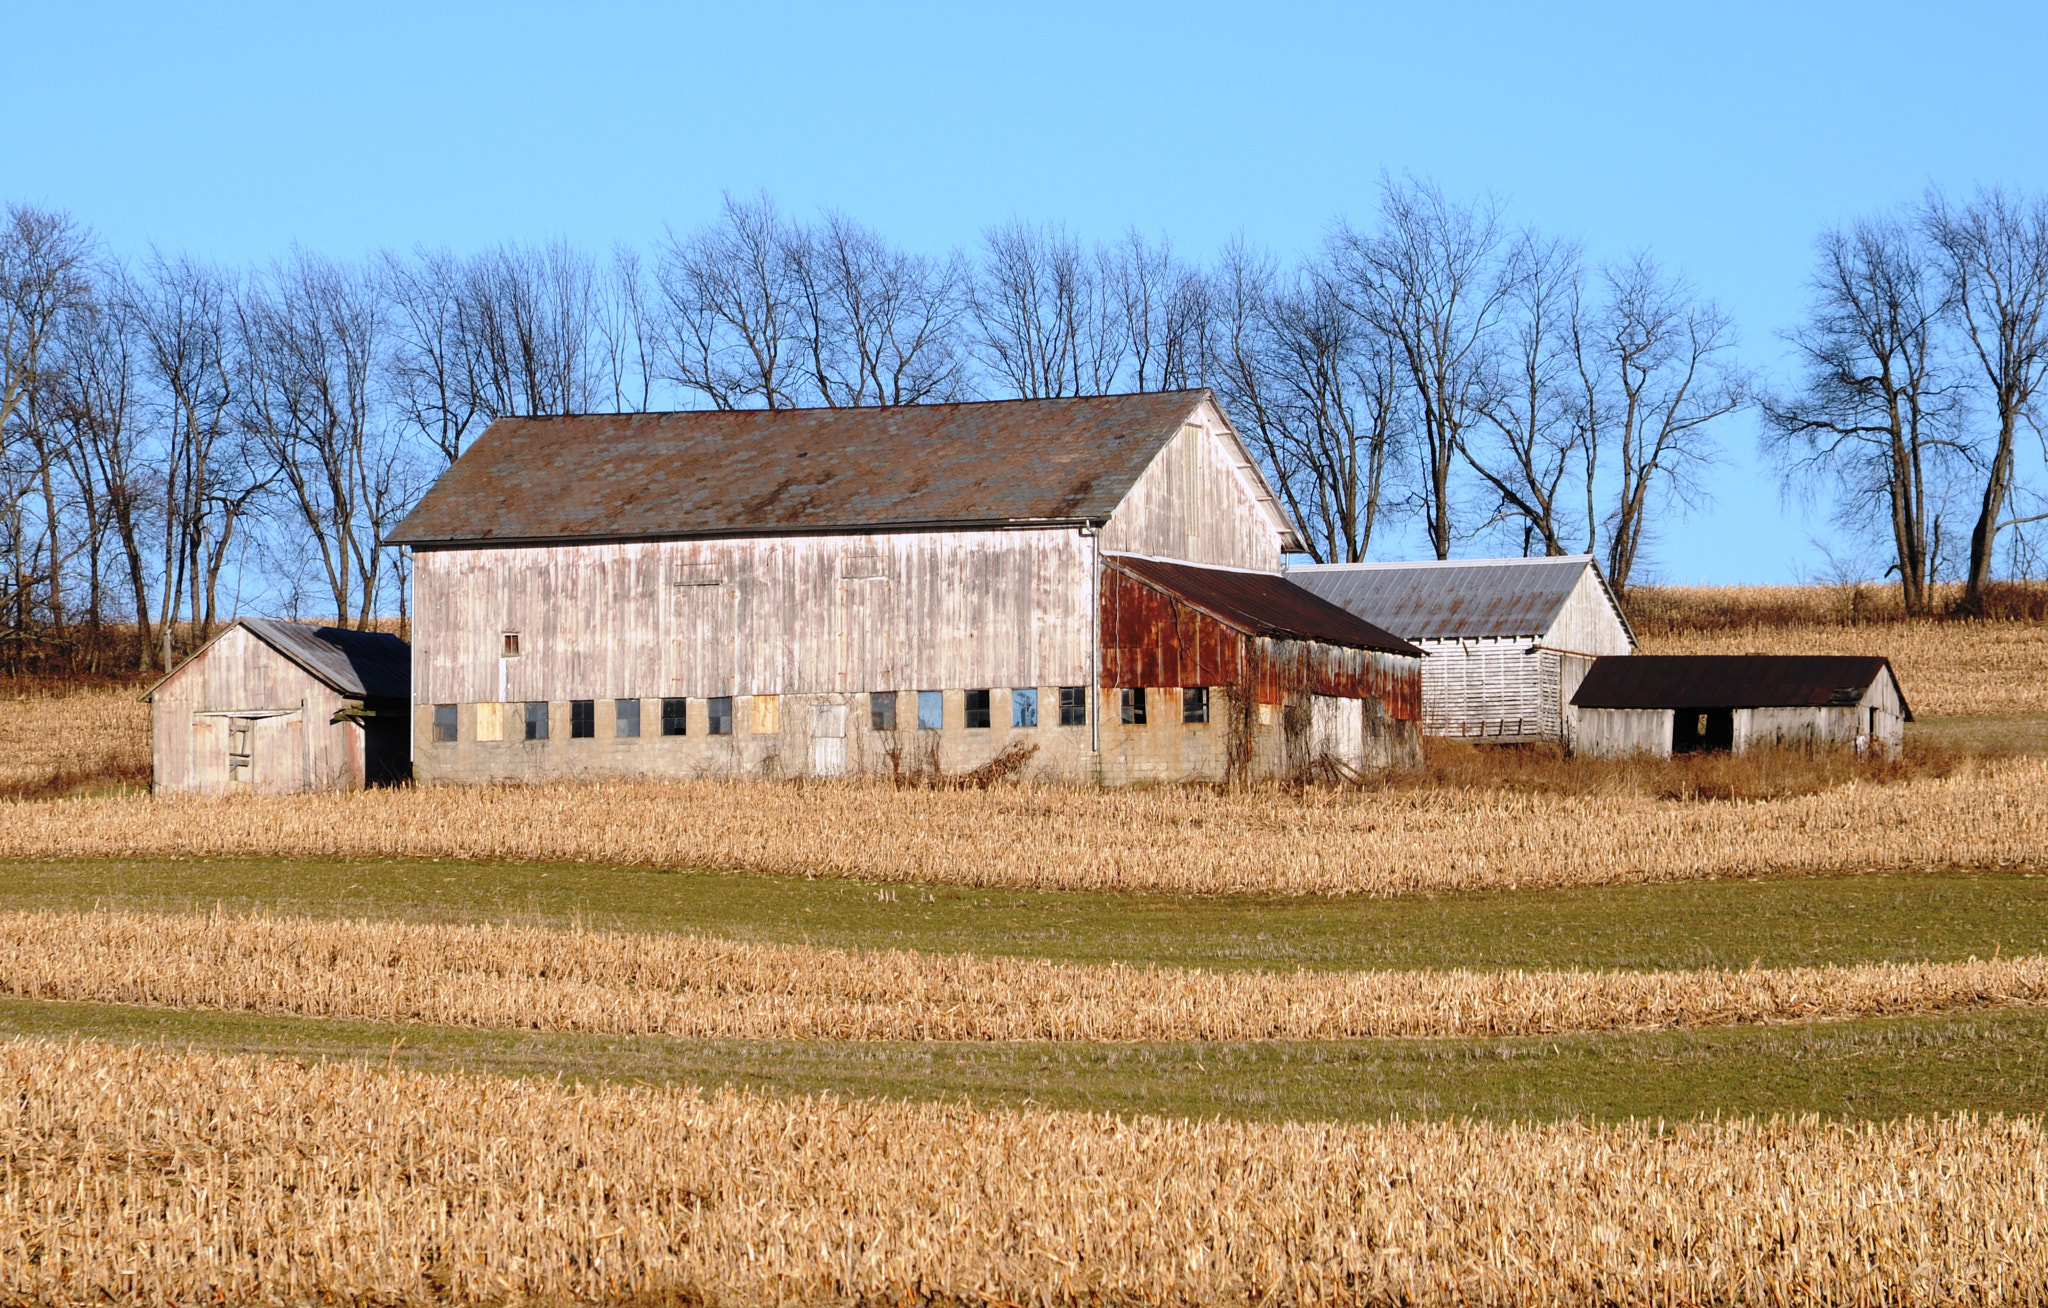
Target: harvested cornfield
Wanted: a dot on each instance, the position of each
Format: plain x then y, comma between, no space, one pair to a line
1945,667
520,977
161,1178
1335,840
53,743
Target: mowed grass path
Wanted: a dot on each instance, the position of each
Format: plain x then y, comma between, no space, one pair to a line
1724,924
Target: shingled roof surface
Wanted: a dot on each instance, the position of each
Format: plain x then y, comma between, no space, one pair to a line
372,664
1700,681
656,475
1455,599
1262,604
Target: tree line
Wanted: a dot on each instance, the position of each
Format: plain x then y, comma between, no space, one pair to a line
174,431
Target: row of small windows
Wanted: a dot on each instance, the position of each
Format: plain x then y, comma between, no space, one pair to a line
931,712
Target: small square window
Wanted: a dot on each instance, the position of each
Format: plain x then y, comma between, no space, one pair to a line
719,709
675,717
1194,704
625,718
444,723
931,710
882,710
1024,708
510,649
1132,708
1073,706
537,719
582,719
977,709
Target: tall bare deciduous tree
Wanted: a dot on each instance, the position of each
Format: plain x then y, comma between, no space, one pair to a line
875,325
1995,257
1876,410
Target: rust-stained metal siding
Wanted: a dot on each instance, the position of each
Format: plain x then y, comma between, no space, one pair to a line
1152,638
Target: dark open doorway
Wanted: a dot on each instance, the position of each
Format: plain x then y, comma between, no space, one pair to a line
1700,731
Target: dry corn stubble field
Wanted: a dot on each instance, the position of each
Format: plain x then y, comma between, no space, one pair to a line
51,742
162,1178
683,986
1177,840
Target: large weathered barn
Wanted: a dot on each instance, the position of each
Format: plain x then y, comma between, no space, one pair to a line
1085,589
1508,639
1688,703
274,707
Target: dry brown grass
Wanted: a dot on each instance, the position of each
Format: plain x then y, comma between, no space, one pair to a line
524,978
55,743
1320,840
150,1177
1686,610
1758,775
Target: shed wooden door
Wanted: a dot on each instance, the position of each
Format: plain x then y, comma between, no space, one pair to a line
828,740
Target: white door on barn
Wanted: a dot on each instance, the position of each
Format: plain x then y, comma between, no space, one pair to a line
828,740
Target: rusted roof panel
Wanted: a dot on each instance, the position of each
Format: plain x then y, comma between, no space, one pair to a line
372,664
1262,604
656,475
1457,598
1701,681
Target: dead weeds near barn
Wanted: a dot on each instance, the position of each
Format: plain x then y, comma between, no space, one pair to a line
1762,774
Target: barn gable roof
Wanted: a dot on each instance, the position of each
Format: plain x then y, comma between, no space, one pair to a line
1701,681
785,471
368,664
1260,604
1458,598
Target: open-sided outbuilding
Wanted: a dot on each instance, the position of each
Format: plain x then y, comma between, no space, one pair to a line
1688,703
274,707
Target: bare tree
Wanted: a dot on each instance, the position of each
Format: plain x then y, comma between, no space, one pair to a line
628,336
1428,280
1159,306
531,312
434,367
875,325
1995,257
1531,399
1041,325
1876,409
1654,374
730,309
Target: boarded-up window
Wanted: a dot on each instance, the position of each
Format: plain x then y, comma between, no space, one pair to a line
1073,706
931,710
626,718
537,719
582,719
719,710
1132,708
490,722
882,710
1194,704
698,574
767,715
1024,707
977,709
444,723
675,717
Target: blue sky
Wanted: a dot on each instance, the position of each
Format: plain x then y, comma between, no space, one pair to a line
1721,137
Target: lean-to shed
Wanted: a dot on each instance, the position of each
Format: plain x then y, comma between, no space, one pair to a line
1083,589
1507,639
273,707
1690,703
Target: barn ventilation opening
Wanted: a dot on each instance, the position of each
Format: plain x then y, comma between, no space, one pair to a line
1702,731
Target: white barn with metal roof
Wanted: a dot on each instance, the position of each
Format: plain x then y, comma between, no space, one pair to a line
1509,640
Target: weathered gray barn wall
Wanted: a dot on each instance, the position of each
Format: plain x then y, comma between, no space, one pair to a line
1877,721
1608,732
1200,502
241,684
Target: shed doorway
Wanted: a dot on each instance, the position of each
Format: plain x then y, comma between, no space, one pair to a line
1702,731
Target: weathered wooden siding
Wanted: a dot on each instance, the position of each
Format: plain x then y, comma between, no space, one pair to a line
1587,624
1610,732
1199,502
1150,638
294,745
787,615
1494,689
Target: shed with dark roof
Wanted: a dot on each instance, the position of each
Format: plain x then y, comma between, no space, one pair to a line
274,707
1689,703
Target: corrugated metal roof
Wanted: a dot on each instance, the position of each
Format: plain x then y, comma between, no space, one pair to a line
642,476
1700,681
1458,598
372,664
1261,604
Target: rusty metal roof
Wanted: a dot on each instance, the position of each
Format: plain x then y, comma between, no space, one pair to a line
1261,604
1701,681
1457,598
781,471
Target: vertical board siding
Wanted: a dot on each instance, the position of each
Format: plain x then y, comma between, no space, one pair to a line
771,616
1490,689
1587,624
1195,503
299,748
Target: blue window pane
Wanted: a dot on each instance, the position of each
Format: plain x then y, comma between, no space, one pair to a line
1024,708
931,710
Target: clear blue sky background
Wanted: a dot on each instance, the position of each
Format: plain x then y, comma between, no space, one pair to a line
1722,136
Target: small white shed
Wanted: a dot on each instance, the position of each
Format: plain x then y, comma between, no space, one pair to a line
1508,639
1695,703
274,707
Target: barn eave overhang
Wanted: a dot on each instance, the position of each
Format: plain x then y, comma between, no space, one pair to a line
777,530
